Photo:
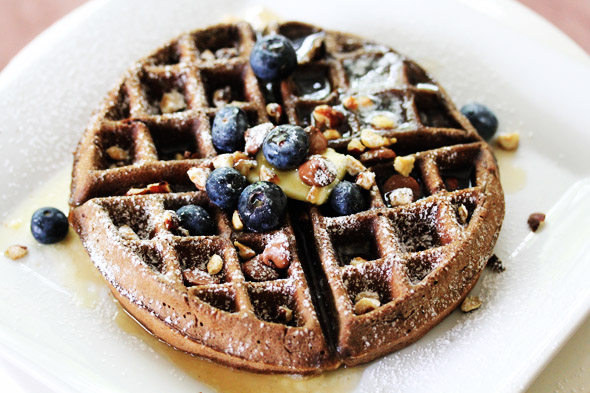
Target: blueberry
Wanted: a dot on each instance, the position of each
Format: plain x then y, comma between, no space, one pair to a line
228,129
262,206
273,57
196,220
483,119
286,146
224,187
347,198
49,225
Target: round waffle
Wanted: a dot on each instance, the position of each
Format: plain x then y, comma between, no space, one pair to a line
417,261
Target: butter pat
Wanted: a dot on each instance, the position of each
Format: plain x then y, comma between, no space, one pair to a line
292,185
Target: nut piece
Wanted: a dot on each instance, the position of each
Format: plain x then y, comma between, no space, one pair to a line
285,314
354,166
276,253
236,221
317,171
365,101
509,141
366,179
383,122
171,102
317,141
199,177
215,264
127,233
244,251
170,220
471,303
197,277
404,165
16,251
357,261
159,188
254,137
399,197
495,264
256,270
117,153
268,174
373,140
327,117
350,103
355,146
365,302
245,166
331,134
535,221
207,55
223,161
463,214
274,111
222,97
375,156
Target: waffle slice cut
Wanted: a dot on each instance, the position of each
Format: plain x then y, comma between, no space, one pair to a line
357,286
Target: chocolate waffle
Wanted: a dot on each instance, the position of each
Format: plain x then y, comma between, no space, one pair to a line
357,286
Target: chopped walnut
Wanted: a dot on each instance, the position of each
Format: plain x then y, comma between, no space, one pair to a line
535,221
199,177
317,171
16,251
366,179
223,161
207,55
355,146
222,97
509,141
255,137
244,251
373,140
285,314
383,122
172,101
357,261
327,117
404,165
117,153
463,214
400,196
159,188
375,156
245,166
274,111
170,220
215,264
471,303
365,302
236,221
365,101
317,141
277,254
354,166
127,233
495,264
350,103
331,134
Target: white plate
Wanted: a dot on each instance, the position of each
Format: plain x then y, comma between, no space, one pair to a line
61,330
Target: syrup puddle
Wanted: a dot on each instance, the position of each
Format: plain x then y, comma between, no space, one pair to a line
512,177
66,267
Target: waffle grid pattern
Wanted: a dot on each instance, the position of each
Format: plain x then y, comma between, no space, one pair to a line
414,247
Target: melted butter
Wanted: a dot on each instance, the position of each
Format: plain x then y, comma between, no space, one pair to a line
512,177
292,185
67,266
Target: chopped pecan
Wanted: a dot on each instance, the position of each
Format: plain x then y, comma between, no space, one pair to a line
317,171
256,270
327,117
375,156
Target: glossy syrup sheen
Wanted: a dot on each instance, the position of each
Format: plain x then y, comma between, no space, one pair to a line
75,273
